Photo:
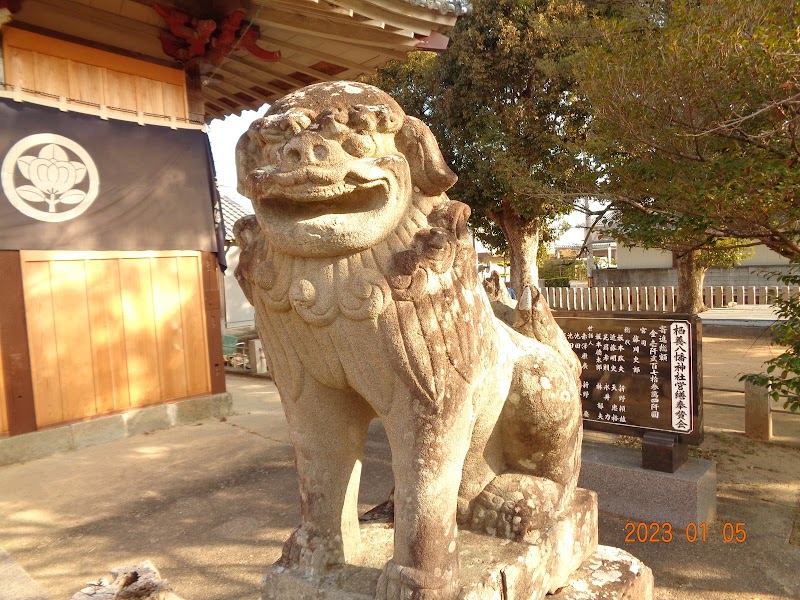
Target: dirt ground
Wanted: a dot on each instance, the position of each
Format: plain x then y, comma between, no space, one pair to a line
752,550
729,352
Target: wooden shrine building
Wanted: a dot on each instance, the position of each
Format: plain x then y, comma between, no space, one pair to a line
108,236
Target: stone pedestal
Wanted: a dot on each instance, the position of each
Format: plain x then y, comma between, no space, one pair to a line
565,560
689,495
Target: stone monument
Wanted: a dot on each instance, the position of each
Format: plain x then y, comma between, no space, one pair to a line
364,282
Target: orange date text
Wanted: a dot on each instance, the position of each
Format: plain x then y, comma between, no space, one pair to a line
663,533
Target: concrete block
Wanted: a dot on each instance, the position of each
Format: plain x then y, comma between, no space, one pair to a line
757,412
256,358
38,444
689,495
148,419
205,407
15,583
98,431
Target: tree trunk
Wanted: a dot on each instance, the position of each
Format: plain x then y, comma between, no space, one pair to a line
523,243
691,275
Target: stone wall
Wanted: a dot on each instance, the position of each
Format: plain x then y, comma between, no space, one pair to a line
736,276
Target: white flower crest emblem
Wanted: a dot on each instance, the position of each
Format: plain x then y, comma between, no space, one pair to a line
52,176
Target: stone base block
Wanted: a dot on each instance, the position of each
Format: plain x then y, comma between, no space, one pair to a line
609,574
491,568
689,495
139,582
15,583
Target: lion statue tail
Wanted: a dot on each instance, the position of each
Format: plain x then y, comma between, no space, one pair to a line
533,318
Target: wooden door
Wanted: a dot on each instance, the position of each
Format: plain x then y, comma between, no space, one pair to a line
110,331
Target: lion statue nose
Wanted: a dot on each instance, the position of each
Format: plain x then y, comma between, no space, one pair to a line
305,148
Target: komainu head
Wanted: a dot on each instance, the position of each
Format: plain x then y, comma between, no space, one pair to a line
333,168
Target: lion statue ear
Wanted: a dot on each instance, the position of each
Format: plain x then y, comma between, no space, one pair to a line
429,172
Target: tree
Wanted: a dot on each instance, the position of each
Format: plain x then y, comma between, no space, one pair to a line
696,112
783,373
694,251
501,102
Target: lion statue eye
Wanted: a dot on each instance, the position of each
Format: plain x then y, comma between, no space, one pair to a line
363,119
359,145
279,128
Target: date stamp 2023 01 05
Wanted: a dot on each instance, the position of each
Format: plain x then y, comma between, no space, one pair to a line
664,533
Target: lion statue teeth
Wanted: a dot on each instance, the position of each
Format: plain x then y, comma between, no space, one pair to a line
364,282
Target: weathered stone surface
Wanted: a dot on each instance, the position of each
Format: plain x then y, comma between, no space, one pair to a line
150,418
15,583
757,412
609,574
364,280
38,444
496,290
138,582
490,567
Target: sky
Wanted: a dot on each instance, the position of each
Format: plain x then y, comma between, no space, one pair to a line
225,133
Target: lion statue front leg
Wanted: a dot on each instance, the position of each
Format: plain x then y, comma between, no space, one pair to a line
328,430
428,451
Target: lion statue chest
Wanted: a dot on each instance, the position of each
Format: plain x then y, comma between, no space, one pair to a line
370,322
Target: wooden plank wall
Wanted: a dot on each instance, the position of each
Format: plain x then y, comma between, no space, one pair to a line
53,66
113,330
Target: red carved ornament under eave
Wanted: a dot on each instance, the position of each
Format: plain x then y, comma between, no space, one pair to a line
198,42
11,5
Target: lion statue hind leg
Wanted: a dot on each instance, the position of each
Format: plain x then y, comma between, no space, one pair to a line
540,434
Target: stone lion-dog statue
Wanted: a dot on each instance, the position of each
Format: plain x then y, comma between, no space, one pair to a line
365,288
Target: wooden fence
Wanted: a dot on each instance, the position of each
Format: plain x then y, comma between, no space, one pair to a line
656,299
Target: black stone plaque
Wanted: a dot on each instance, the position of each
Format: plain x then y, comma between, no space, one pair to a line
641,372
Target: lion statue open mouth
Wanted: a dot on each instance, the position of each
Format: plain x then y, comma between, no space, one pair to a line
364,281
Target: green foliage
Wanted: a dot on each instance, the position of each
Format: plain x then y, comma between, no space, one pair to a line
557,282
502,105
507,111
783,372
410,82
697,109
563,268
724,252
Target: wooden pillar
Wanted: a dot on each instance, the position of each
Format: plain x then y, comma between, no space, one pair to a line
2,60
14,352
213,305
194,95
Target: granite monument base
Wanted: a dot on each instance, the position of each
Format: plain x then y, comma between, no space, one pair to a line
563,559
689,495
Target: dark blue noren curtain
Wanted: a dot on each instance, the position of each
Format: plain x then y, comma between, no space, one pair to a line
70,181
